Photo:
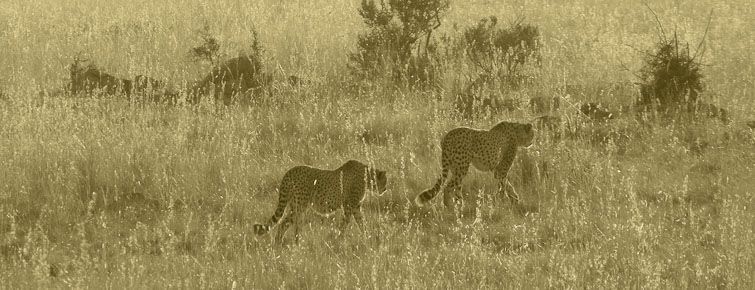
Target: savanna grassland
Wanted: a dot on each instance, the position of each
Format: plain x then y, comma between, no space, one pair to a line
98,192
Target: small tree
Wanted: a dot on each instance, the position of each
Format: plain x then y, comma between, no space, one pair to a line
399,40
500,51
671,78
232,80
497,56
209,49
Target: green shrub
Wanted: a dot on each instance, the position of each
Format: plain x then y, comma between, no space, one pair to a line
497,57
89,79
399,43
232,80
670,76
500,51
209,49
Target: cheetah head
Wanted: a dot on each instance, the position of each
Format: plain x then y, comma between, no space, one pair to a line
525,135
520,134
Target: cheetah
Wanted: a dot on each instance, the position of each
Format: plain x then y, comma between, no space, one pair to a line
326,191
488,150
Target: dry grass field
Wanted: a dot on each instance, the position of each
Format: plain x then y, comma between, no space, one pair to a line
103,193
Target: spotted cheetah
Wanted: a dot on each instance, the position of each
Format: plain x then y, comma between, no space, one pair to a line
326,191
489,150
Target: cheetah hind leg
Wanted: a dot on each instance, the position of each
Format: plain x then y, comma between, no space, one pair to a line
452,195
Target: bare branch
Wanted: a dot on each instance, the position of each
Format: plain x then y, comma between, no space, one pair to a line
641,51
705,34
657,20
624,66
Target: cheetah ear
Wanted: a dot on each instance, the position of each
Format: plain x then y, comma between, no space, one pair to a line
381,174
528,126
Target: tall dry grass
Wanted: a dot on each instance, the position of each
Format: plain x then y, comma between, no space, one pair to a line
98,192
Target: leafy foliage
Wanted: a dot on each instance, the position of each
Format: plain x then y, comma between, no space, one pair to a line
231,80
209,49
498,55
498,50
670,76
234,79
399,40
100,192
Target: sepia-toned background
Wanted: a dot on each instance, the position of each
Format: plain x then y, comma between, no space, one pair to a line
99,192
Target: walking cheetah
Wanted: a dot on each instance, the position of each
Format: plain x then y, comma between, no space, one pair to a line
326,191
489,150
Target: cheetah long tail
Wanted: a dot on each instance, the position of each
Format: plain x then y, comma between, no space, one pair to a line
261,229
423,198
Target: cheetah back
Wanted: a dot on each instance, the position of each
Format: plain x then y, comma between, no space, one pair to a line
325,190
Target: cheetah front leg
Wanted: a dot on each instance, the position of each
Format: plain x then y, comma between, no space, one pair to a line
344,222
357,213
501,172
348,212
282,228
291,219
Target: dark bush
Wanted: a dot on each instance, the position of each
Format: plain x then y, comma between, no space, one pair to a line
500,51
234,79
671,77
230,81
145,84
209,49
482,97
498,56
399,43
89,79
671,80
